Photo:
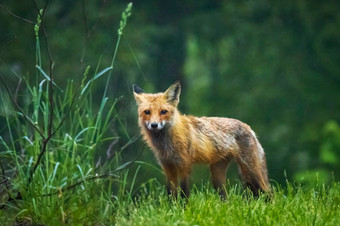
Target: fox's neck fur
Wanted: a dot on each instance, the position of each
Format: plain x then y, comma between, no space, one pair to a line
163,141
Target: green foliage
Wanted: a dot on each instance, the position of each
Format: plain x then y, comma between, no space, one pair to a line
330,147
329,156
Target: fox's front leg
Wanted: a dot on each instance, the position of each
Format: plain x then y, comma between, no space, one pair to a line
171,179
184,179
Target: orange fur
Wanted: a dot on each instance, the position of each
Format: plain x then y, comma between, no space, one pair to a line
178,141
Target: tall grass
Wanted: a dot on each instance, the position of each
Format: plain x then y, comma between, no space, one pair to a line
52,170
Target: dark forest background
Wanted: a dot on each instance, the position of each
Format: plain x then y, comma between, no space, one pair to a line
271,64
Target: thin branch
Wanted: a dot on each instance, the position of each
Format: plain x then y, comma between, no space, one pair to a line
84,19
16,16
50,96
18,197
4,181
110,174
16,105
44,148
2,169
81,182
89,31
17,90
41,154
86,35
69,110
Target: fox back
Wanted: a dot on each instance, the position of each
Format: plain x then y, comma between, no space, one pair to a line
178,141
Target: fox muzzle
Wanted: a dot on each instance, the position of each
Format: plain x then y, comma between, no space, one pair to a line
155,125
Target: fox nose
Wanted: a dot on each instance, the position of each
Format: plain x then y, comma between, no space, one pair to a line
154,125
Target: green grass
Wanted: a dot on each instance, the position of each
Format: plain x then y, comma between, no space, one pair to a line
290,206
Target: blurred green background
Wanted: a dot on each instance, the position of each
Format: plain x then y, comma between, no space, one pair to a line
271,64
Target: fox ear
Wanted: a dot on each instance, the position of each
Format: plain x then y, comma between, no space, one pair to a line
172,93
137,91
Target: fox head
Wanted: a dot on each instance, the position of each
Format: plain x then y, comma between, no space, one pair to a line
157,111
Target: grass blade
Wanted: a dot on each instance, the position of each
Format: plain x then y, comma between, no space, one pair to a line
94,78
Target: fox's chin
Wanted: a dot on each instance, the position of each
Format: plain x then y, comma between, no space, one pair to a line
159,128
155,130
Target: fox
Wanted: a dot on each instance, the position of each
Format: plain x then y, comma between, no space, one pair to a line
178,141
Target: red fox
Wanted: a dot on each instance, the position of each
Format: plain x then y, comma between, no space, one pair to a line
178,141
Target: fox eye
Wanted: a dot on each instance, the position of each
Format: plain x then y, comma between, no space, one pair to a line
163,112
147,112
